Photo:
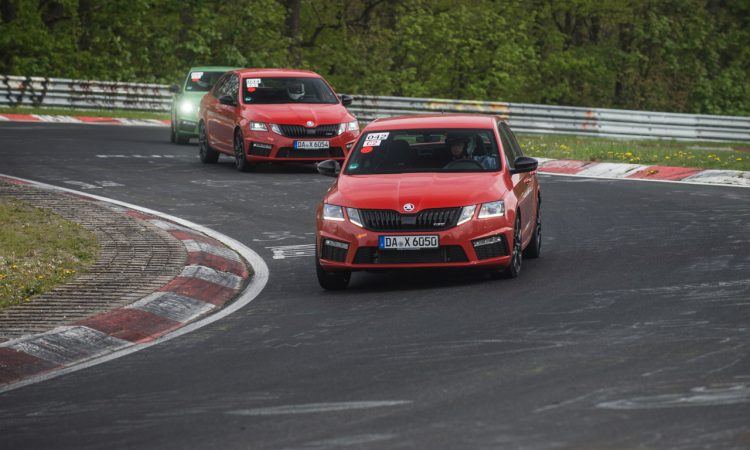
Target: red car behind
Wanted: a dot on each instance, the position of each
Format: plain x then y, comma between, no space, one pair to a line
429,191
274,115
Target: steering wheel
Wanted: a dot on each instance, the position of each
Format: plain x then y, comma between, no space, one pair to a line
463,164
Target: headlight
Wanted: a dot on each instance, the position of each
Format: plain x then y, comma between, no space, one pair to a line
354,216
492,209
258,126
333,212
276,129
348,126
467,212
186,107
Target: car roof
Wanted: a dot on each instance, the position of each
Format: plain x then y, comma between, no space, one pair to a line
277,73
435,121
212,69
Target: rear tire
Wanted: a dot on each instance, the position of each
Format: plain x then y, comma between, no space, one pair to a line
182,140
240,160
207,154
534,249
331,281
172,134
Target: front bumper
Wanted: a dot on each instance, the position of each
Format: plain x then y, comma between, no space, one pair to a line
187,126
272,147
477,243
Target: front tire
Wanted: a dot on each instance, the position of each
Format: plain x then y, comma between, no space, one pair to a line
534,249
207,154
240,160
514,268
331,281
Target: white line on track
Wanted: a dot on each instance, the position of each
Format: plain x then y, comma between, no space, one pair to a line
256,285
309,408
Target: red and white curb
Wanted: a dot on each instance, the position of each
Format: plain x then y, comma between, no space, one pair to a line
82,119
213,275
616,171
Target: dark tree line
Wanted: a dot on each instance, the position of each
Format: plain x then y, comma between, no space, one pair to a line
671,55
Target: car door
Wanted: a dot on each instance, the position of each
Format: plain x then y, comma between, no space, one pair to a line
213,112
523,183
226,114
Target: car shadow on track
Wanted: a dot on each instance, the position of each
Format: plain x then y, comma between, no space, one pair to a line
417,279
286,168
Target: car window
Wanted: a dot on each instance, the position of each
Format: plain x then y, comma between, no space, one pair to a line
201,81
220,85
276,90
233,88
513,141
507,146
425,150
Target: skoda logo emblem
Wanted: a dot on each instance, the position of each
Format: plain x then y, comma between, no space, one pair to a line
408,207
310,123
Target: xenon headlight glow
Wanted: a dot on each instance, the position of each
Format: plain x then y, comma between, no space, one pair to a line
186,107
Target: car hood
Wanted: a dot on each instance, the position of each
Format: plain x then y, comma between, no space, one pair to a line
298,114
423,190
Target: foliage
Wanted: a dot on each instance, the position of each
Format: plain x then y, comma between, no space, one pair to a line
672,55
39,250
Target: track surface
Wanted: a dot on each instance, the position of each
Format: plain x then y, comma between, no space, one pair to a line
630,331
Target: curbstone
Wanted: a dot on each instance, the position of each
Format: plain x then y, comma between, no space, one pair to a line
205,276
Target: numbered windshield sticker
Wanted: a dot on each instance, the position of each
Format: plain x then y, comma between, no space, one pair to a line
252,82
376,137
195,76
371,143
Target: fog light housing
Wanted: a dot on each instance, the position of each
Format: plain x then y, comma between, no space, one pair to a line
334,250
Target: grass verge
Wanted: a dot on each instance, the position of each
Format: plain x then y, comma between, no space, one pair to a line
699,155
39,250
115,113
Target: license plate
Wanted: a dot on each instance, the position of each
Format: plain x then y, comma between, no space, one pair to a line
408,242
311,144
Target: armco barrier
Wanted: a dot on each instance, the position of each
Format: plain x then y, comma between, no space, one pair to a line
527,118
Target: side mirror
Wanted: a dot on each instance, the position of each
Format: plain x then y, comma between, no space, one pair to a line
227,100
329,168
524,164
346,100
175,89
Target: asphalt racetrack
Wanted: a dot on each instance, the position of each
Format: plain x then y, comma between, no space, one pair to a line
631,330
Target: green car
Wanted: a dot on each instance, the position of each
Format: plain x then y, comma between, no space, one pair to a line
187,100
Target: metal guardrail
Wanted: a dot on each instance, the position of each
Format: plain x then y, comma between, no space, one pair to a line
65,93
524,118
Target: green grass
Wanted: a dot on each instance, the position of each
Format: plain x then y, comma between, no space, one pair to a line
700,155
39,250
117,113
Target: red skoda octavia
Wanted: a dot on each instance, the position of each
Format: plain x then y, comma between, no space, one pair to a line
429,191
274,115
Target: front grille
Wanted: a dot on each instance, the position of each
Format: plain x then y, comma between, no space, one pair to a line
427,220
298,131
445,254
289,152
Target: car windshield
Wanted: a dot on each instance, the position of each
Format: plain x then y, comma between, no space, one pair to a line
424,150
277,90
201,81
